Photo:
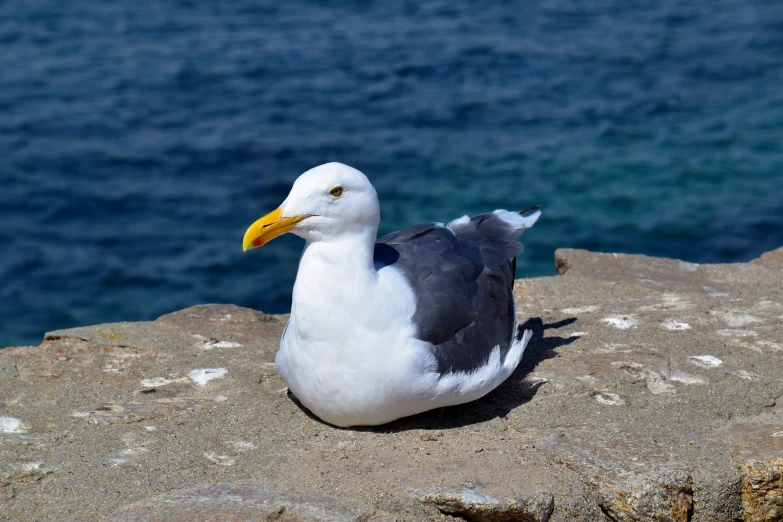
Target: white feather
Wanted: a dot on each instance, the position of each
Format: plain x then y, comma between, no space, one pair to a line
517,221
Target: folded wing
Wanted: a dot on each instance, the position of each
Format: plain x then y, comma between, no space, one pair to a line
462,275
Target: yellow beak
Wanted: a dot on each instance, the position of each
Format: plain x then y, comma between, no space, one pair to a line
269,227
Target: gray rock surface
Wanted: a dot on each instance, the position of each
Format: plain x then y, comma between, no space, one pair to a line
226,501
652,390
475,505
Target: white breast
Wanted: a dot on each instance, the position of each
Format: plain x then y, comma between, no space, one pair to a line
351,356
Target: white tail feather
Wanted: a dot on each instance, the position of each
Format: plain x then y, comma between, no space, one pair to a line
517,221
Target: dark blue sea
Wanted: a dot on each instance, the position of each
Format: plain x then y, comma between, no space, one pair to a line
139,139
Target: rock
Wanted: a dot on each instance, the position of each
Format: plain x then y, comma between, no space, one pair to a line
772,260
762,490
665,495
562,264
651,390
475,505
235,502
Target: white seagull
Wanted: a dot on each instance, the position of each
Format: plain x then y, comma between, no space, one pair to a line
381,329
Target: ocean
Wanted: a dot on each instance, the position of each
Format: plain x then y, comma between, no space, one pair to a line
138,140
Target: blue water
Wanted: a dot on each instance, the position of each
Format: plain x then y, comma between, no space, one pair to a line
139,139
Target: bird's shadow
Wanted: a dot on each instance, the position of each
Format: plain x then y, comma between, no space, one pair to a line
515,391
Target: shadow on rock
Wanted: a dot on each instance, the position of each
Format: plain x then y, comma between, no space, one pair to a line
541,347
514,392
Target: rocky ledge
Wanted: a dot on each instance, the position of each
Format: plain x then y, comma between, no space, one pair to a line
651,391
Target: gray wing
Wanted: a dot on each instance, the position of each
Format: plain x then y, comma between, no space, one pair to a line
462,278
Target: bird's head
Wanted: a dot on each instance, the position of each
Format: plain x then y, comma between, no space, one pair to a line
325,203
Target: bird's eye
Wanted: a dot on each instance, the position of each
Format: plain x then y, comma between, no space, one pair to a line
336,192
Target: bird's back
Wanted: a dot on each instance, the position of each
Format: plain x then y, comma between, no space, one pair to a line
462,276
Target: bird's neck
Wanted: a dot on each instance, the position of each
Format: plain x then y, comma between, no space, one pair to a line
349,254
327,266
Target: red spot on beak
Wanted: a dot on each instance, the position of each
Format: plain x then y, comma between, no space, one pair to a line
258,242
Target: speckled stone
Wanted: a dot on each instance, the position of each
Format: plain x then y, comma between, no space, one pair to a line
651,391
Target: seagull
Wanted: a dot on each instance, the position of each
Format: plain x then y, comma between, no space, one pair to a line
381,329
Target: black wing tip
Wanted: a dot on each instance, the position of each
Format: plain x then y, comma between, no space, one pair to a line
531,209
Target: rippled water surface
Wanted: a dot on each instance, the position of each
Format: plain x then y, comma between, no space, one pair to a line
139,139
